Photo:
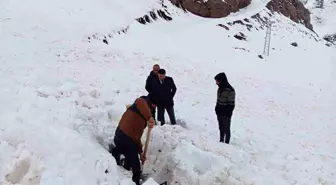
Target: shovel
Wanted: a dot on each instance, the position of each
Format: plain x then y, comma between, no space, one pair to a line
147,143
145,176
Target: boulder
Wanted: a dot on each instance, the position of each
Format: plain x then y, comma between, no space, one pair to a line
211,8
294,44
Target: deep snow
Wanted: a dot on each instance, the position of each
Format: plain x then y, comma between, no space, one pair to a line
62,96
322,17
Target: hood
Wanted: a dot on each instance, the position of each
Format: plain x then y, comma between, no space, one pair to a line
222,79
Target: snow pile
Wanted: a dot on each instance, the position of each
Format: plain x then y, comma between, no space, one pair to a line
184,157
62,97
67,156
26,169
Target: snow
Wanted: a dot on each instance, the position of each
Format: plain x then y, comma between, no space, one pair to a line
62,96
321,17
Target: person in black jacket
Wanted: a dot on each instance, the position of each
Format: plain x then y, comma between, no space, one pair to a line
163,91
224,107
153,75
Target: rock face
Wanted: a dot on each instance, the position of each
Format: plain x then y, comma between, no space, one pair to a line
330,38
293,9
240,36
211,8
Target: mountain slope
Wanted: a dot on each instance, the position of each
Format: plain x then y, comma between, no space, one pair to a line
63,96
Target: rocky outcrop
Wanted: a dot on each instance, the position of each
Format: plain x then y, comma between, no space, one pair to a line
295,44
330,38
211,8
240,36
293,9
259,22
154,15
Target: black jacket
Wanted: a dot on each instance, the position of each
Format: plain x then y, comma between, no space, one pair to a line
149,80
162,94
225,96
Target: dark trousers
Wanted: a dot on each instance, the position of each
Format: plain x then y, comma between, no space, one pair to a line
126,146
153,113
171,114
224,123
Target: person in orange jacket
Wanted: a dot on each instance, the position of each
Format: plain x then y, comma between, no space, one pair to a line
128,135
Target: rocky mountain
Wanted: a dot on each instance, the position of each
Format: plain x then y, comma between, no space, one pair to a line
212,8
294,9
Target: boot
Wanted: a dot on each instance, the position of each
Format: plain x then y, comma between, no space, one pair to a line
136,179
116,155
123,163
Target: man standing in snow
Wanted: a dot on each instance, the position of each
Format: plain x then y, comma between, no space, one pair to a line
163,92
149,81
128,135
152,75
224,107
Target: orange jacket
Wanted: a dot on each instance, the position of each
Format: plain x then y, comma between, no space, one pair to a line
133,125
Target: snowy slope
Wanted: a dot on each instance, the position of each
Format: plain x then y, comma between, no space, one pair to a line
62,96
322,17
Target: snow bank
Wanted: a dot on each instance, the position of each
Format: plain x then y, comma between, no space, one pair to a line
26,169
66,156
185,157
61,98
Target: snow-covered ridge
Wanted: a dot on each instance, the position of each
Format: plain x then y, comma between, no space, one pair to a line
322,13
76,18
62,97
256,12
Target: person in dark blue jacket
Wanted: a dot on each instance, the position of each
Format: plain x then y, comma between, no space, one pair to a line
224,107
163,92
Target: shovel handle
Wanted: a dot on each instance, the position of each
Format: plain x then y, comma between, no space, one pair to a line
147,143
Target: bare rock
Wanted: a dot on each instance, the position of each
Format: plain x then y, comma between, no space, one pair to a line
240,36
248,26
242,49
105,41
293,9
330,38
294,44
223,26
211,8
